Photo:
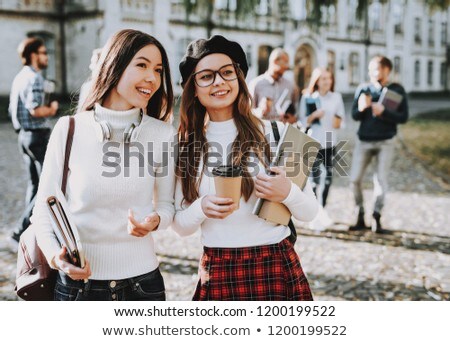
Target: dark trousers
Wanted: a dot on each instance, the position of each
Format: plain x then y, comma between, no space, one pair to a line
146,287
32,144
325,156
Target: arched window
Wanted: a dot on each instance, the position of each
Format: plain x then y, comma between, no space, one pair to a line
375,10
430,73
398,17
431,32
397,69
444,75
444,33
331,61
263,58
351,14
417,30
298,9
354,68
417,73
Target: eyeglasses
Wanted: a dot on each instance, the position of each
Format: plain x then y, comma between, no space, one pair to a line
204,78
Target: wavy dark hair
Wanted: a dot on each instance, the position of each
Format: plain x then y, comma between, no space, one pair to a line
193,145
116,55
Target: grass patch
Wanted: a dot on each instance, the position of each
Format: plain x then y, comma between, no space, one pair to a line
428,137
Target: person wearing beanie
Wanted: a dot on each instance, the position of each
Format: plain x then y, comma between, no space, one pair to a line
116,200
245,257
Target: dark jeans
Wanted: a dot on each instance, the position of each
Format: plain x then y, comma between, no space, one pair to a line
146,287
325,156
33,145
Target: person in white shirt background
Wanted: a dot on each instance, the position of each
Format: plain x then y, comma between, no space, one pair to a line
245,257
323,123
272,86
86,87
114,211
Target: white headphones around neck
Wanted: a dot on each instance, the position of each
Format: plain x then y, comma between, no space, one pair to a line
103,130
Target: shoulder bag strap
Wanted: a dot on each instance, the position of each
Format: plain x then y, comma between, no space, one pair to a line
276,135
69,141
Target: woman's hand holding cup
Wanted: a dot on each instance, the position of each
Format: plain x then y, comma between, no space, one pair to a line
217,208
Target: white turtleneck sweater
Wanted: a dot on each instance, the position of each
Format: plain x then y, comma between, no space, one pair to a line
241,228
99,202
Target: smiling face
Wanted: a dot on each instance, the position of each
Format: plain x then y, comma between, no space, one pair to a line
140,80
218,98
324,82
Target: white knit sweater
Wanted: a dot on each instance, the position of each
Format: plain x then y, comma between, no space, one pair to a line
242,228
99,203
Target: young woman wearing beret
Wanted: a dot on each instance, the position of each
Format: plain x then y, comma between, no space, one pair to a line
245,257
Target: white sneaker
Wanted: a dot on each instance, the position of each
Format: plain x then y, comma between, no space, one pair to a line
322,221
325,218
317,225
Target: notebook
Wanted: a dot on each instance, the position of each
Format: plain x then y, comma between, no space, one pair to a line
296,152
283,102
65,230
390,99
312,104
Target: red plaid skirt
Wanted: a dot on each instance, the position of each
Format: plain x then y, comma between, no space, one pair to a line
260,273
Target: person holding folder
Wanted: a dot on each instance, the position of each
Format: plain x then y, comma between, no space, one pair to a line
378,122
116,198
322,111
245,257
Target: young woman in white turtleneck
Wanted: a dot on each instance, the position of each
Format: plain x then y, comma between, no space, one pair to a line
245,257
116,201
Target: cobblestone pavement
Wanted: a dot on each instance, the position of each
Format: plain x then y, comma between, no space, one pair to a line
412,262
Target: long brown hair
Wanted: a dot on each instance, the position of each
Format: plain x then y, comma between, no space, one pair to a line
313,83
194,147
116,55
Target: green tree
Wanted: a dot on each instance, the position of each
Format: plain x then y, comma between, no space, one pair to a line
438,5
246,8
205,10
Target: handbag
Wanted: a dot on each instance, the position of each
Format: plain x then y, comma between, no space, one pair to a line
35,280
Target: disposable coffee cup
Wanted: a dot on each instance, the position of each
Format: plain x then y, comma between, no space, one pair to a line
227,180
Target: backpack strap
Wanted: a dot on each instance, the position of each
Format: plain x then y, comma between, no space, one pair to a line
276,132
69,141
276,136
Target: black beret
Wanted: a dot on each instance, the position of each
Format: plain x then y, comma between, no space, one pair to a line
200,48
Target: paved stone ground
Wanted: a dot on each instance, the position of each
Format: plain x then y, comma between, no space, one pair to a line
410,263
